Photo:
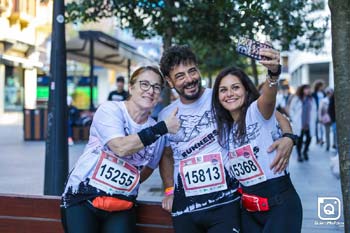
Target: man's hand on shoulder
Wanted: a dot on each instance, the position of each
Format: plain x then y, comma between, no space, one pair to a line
284,148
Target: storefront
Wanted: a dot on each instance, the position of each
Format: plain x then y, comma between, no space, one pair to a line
13,88
101,50
104,55
18,82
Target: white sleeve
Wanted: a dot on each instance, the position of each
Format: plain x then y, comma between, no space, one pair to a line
158,151
161,117
109,122
253,112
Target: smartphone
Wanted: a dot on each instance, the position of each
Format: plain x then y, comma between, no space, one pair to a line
251,48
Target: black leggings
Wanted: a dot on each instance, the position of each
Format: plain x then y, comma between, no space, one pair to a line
285,217
223,219
84,218
306,133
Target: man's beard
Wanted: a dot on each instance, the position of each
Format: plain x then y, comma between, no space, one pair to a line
194,96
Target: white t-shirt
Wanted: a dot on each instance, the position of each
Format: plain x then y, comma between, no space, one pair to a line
260,135
197,136
111,120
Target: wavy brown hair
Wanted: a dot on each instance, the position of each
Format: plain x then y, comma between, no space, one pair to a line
174,56
222,116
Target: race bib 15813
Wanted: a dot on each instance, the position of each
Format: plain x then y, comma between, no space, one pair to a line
202,174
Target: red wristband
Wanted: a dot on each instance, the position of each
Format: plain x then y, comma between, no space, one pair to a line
169,191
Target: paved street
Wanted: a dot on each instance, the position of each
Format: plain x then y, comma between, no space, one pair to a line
22,172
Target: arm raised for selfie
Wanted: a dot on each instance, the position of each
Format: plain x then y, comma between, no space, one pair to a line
267,100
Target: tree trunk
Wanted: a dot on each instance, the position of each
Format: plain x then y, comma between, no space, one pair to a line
167,38
255,71
340,19
167,41
210,80
169,32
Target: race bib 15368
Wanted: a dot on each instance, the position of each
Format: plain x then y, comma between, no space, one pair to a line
245,167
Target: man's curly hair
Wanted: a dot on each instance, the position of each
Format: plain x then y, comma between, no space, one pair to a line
174,56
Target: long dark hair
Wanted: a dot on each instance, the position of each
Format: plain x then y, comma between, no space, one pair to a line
318,85
222,116
300,91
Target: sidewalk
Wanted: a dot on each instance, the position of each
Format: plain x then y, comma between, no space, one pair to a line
22,171
22,163
313,180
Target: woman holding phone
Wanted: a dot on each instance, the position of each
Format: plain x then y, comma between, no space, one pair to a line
247,126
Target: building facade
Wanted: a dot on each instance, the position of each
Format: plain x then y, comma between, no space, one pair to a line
307,67
25,26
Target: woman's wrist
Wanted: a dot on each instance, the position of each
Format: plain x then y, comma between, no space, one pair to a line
151,134
275,73
160,128
272,81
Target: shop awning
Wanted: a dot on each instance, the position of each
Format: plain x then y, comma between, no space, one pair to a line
107,51
11,47
19,61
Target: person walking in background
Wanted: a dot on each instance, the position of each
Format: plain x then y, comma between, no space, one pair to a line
331,112
120,94
125,146
247,125
283,98
324,116
303,114
318,94
73,119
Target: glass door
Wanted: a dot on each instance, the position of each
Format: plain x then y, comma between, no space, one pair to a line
13,88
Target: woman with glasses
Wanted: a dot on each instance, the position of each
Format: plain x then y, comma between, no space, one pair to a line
125,146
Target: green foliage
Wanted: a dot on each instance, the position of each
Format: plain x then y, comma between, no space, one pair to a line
296,23
211,27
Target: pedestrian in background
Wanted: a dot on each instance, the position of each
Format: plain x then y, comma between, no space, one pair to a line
73,119
323,115
302,111
120,94
318,94
283,97
331,112
124,148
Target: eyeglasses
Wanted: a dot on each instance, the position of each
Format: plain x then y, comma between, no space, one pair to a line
145,86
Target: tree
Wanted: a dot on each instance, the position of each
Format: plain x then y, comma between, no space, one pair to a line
340,18
211,27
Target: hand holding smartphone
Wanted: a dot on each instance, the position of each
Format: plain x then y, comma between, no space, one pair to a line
251,48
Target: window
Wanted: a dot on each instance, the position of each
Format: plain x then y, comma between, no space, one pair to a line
13,88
